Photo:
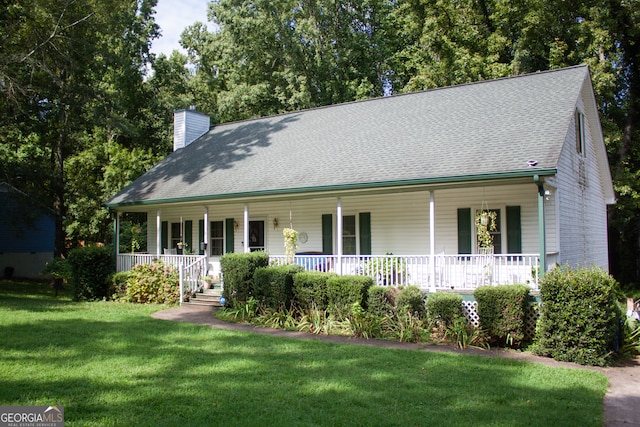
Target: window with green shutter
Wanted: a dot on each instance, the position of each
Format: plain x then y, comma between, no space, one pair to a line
365,233
200,236
514,230
230,224
327,233
164,235
464,230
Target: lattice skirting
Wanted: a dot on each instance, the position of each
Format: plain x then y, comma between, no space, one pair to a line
470,311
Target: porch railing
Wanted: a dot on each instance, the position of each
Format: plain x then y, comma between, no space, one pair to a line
449,271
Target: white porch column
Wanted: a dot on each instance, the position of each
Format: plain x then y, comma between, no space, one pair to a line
339,235
158,233
432,241
246,229
206,232
117,233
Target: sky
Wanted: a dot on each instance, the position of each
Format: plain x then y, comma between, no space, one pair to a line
173,16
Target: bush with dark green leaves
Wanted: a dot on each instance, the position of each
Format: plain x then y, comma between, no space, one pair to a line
503,313
153,283
410,299
444,307
310,289
344,291
237,275
118,287
579,316
273,286
91,268
381,300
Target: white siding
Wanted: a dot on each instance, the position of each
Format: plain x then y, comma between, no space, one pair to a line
583,212
399,222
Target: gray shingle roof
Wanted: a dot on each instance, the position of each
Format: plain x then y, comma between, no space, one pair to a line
484,128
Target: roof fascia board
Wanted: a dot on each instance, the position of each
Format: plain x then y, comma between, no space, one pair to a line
422,184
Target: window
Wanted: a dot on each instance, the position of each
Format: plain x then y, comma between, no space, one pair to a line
580,149
217,238
349,235
176,236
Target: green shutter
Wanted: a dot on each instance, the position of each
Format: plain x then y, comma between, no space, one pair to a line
327,233
514,230
188,235
464,230
164,235
200,236
228,236
365,233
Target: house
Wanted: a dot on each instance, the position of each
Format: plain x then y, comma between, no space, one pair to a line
26,234
393,187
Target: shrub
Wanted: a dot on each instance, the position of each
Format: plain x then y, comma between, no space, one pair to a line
579,316
344,291
310,289
502,311
118,287
410,299
381,300
91,268
273,286
237,273
443,308
153,283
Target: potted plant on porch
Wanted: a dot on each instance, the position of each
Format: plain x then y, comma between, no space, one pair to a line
207,281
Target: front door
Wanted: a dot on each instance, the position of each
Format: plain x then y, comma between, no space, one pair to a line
256,236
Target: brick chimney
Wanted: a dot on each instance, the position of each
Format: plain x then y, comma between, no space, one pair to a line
188,125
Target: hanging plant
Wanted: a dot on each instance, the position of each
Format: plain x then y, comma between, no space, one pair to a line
485,225
290,243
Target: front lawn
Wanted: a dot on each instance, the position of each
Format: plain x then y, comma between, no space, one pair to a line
110,364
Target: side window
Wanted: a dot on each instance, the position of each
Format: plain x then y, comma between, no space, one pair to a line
217,238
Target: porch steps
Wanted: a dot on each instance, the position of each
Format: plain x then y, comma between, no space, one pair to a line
208,297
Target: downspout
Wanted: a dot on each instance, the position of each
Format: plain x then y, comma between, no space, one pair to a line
541,228
339,235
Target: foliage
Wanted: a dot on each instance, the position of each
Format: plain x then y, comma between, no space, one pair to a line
273,286
91,268
410,299
58,268
443,308
118,287
503,312
343,292
579,316
381,300
465,335
290,243
154,283
388,270
363,324
630,338
310,289
237,273
485,225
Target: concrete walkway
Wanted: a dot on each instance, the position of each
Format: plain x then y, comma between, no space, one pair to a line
621,402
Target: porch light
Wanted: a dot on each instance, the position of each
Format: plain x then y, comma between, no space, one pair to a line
275,223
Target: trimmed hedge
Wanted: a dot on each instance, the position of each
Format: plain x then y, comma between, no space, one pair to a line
381,300
410,299
444,307
237,274
310,289
273,286
344,291
579,317
91,268
502,311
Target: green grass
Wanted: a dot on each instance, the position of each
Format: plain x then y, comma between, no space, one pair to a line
110,364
